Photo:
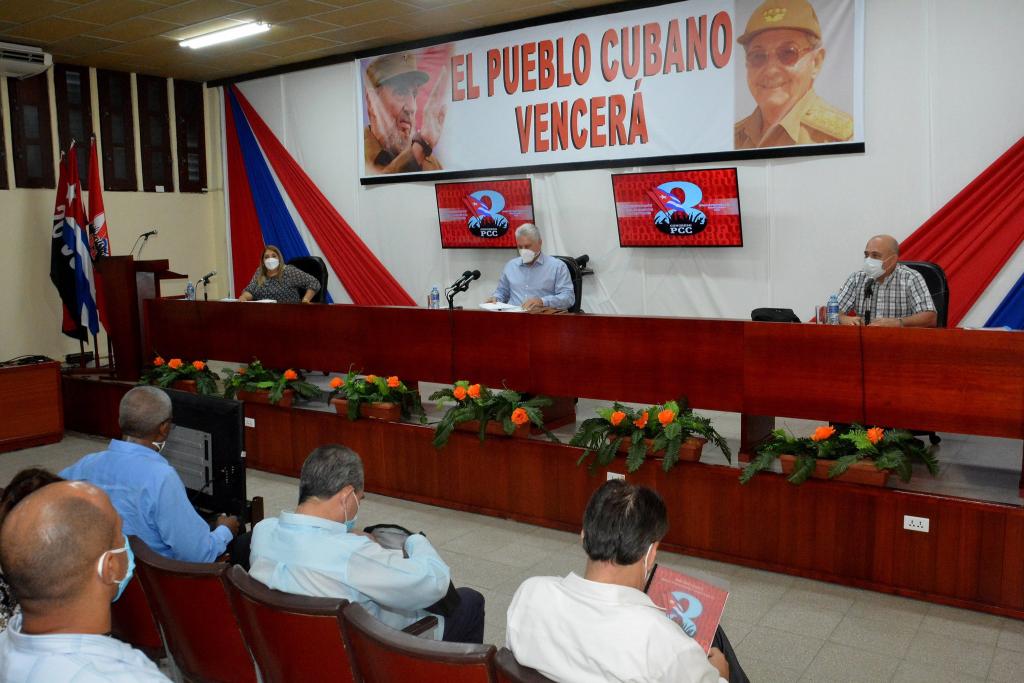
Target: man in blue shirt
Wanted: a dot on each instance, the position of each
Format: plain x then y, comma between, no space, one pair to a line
316,551
144,488
64,554
533,280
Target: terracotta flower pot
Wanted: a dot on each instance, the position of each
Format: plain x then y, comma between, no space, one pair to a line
188,385
495,428
863,472
264,397
689,451
390,412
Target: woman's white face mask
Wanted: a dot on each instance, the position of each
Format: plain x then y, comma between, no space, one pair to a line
271,263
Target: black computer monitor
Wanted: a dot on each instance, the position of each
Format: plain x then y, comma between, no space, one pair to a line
207,448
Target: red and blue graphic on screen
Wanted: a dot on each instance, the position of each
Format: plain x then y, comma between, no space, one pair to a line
483,214
678,209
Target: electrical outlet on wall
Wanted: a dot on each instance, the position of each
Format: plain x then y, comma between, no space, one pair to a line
615,475
911,523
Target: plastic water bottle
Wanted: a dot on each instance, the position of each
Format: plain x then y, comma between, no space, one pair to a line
833,310
190,291
435,297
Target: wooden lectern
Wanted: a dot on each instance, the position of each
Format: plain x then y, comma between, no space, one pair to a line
125,284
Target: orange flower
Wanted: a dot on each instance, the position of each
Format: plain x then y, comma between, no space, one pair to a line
371,378
666,417
290,375
520,417
822,433
875,434
158,361
242,370
459,393
199,365
641,421
474,391
393,381
174,363
337,382
617,417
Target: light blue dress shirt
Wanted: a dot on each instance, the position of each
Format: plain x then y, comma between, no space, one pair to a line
71,658
148,494
546,278
309,555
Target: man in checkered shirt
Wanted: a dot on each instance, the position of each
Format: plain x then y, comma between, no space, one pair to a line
900,297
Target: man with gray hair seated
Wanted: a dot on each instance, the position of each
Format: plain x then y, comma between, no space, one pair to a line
145,489
533,280
65,556
316,551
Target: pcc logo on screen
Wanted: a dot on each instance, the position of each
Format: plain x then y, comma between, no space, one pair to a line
485,219
676,211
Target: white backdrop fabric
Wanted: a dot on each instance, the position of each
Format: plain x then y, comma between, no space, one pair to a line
942,101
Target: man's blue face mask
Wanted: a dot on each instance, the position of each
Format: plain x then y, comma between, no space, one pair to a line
351,523
123,582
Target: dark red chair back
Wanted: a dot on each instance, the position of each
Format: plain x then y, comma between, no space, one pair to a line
131,621
190,603
511,671
291,637
384,655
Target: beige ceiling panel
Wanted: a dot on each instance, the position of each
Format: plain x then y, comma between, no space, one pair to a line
478,8
202,28
47,31
285,11
81,45
368,11
187,13
108,11
133,29
373,30
157,45
20,11
295,47
512,15
353,3
299,28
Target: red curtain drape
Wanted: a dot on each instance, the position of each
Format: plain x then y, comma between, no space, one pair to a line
364,277
976,232
246,234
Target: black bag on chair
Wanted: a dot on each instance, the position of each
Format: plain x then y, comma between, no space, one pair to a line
393,537
774,315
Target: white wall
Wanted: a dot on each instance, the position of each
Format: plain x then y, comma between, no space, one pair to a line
943,100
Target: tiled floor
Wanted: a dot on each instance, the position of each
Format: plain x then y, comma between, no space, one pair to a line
784,628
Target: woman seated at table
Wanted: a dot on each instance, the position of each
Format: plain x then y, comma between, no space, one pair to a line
274,280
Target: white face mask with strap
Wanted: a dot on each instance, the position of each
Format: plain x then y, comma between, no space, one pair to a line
646,557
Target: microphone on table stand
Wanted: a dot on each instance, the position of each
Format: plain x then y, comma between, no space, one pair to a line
869,289
460,285
206,282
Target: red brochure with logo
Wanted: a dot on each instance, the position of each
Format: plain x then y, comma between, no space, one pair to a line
694,604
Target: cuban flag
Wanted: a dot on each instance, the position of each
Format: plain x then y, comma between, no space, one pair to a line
76,239
98,236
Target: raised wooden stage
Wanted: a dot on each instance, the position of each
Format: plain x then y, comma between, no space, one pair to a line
945,380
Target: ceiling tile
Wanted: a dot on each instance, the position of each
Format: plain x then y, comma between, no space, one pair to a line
198,10
157,45
81,45
109,11
351,3
46,31
371,30
298,46
133,29
20,11
368,11
286,11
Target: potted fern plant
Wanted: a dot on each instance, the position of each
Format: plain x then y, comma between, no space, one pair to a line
255,383
856,455
475,407
383,398
194,377
670,431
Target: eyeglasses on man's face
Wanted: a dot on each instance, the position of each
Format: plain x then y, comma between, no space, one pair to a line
787,54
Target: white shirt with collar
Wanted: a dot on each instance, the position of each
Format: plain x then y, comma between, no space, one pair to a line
71,658
572,629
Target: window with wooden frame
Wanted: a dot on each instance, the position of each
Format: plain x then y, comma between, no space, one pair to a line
117,131
154,134
191,131
30,131
74,112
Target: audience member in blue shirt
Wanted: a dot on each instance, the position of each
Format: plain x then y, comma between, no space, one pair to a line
64,553
533,280
316,551
145,489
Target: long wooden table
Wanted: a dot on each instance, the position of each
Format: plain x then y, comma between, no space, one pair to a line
946,380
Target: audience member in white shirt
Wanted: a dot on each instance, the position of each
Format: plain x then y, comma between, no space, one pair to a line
603,627
64,555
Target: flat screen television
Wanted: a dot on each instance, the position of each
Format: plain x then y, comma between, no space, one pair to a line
483,214
678,208
207,449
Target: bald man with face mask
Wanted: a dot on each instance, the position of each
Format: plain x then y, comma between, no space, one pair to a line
66,558
897,295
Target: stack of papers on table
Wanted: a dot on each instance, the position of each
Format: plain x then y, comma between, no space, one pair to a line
504,308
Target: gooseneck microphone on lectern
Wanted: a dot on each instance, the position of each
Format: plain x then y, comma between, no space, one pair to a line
869,289
460,285
145,238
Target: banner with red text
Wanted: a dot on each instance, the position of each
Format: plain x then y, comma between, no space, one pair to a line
672,83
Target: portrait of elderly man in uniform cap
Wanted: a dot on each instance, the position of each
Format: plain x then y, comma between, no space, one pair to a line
784,54
391,141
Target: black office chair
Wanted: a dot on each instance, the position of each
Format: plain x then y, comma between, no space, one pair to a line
315,266
577,269
935,279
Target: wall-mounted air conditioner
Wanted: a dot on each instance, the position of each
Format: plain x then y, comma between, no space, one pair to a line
23,61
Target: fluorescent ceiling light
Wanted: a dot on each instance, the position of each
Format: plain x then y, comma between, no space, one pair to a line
233,33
